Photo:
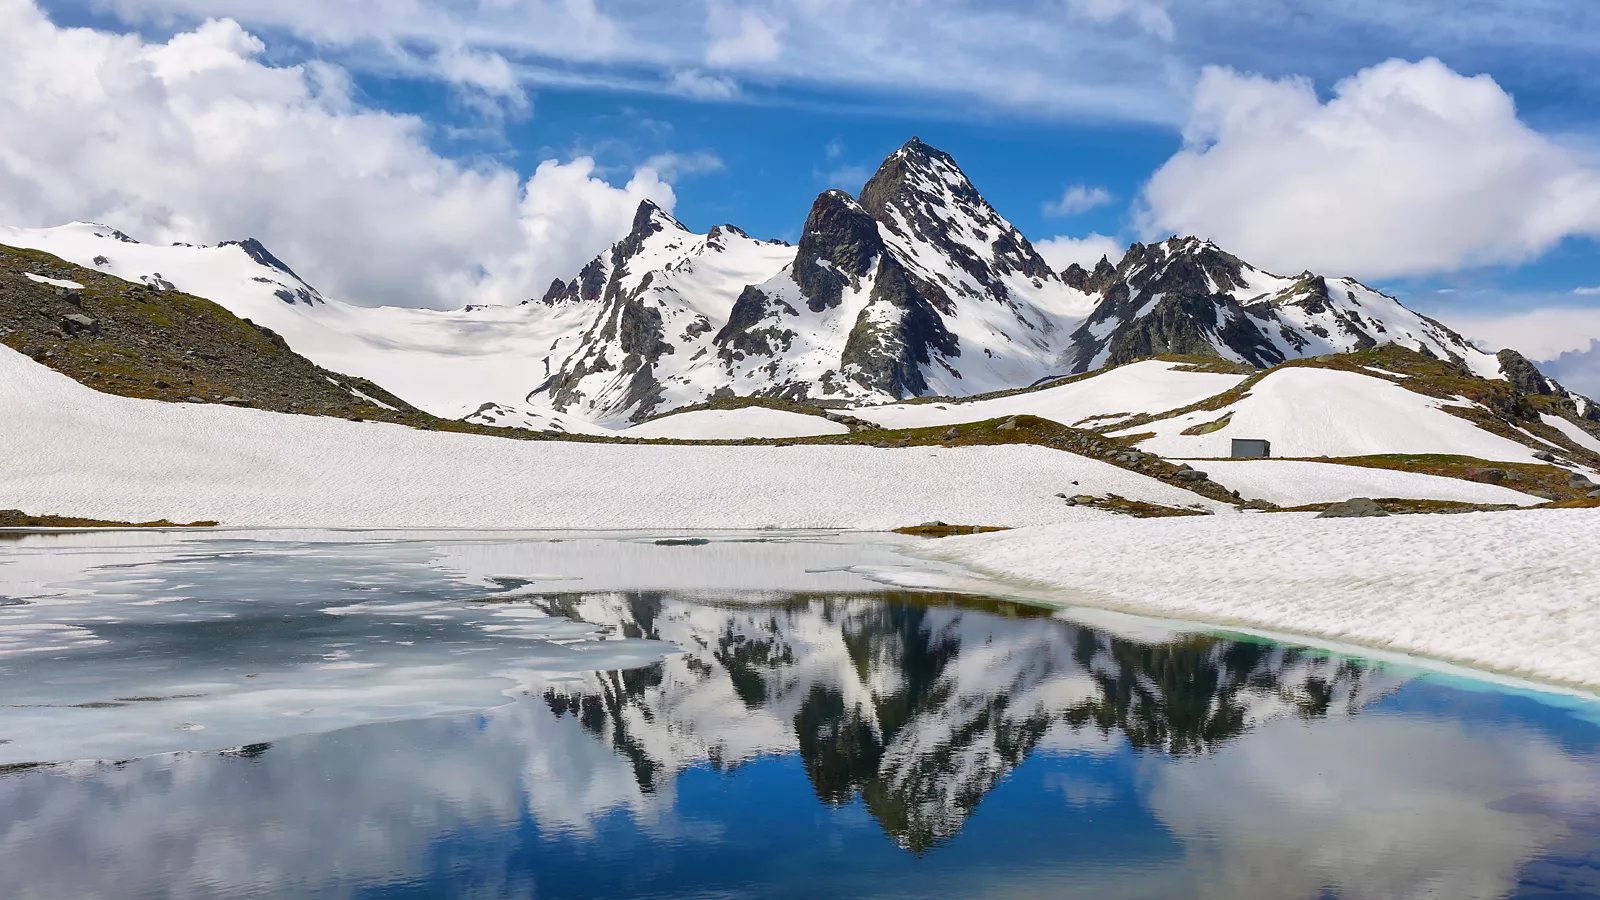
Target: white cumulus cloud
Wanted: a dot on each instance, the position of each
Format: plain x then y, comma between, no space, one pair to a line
196,139
1061,252
1078,198
1408,168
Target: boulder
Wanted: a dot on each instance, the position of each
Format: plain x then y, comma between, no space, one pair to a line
1594,495
1258,504
1545,455
1008,425
1354,508
78,323
1190,475
1487,476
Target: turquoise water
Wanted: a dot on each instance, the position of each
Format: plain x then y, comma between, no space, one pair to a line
350,715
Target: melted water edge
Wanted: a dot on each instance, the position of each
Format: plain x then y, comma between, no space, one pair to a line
405,715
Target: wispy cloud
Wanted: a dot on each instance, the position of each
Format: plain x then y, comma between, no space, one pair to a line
1587,291
1078,199
845,178
672,166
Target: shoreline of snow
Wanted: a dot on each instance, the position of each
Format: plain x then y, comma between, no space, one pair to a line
1513,593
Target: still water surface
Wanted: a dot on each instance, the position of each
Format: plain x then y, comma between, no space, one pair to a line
399,715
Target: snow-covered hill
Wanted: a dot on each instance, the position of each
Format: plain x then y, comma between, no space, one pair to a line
449,363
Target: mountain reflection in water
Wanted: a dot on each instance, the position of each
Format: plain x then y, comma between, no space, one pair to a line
1003,750
920,704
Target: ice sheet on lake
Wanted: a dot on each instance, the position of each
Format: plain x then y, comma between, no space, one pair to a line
115,645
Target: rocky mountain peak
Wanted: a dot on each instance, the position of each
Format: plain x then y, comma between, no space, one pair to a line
924,199
914,176
258,252
839,244
1181,265
648,220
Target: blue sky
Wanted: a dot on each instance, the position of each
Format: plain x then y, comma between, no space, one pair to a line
1364,138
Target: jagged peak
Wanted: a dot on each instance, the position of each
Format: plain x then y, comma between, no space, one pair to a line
918,173
259,252
650,217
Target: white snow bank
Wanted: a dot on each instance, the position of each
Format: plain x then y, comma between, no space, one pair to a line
1151,386
1574,434
1289,482
736,424
1512,591
54,282
69,450
1326,412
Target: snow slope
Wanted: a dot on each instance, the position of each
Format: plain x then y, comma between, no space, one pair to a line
1323,412
448,363
735,424
1150,386
1574,434
1289,482
69,450
1485,589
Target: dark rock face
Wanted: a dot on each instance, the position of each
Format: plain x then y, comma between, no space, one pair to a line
841,241
1525,376
896,335
744,335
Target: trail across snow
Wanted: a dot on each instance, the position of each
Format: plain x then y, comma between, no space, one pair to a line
1516,592
69,450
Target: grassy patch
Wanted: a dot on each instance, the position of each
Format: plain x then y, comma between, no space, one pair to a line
1401,506
940,529
1209,427
15,518
1524,477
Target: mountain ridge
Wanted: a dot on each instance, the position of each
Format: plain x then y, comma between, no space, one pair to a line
920,288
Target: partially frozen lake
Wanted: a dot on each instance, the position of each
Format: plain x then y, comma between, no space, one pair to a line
360,714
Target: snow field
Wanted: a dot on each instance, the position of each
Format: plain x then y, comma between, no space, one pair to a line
1142,387
736,424
1326,412
69,450
1289,482
1574,434
1514,592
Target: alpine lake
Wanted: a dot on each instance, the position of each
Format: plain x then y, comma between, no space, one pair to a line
771,715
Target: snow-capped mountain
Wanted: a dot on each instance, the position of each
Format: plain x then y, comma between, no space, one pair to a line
1188,296
919,288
